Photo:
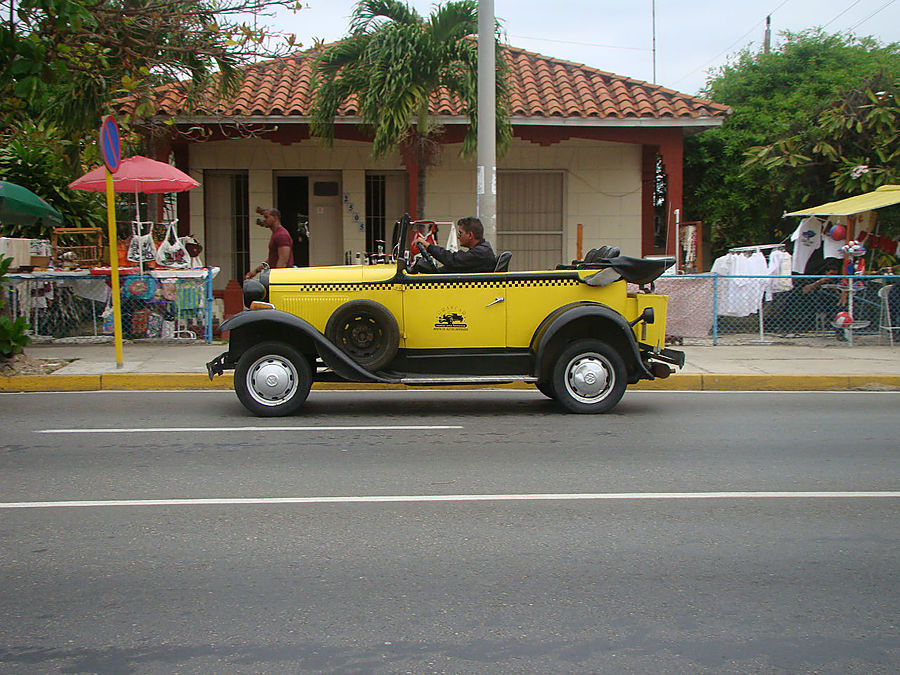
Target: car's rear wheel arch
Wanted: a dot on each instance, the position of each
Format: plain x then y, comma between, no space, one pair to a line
565,330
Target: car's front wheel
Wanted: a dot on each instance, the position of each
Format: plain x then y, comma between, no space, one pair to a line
272,379
589,377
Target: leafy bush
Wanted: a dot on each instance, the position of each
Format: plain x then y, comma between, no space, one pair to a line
37,156
13,332
13,335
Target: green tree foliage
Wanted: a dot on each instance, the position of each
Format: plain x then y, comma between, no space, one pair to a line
67,60
780,101
34,155
852,144
64,64
13,332
392,61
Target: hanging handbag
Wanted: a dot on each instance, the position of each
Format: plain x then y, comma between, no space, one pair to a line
141,246
171,251
194,249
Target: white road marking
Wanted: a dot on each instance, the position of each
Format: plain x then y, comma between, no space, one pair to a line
178,430
385,499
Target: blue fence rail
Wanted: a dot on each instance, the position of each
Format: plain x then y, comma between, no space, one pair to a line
707,308
155,305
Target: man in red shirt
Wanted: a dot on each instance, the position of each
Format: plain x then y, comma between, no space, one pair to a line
281,245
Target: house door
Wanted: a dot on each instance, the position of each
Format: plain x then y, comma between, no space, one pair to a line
226,237
293,202
310,210
530,218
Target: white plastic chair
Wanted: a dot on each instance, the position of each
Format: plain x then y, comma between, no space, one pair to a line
885,322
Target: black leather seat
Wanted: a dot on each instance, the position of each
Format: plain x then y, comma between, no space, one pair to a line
503,262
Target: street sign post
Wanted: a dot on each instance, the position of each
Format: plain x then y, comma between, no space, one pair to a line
110,148
109,143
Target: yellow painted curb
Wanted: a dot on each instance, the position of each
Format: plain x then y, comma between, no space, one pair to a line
151,381
50,383
874,381
682,382
761,382
677,382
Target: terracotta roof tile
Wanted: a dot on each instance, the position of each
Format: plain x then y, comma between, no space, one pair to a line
540,86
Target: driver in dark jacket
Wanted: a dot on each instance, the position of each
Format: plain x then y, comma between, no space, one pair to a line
478,258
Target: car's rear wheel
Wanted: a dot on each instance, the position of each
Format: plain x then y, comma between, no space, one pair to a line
546,388
589,377
272,379
366,331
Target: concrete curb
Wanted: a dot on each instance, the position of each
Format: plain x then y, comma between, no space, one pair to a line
678,382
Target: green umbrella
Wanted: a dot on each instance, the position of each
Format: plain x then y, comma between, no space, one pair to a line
20,206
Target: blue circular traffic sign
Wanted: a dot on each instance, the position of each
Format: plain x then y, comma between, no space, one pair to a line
109,143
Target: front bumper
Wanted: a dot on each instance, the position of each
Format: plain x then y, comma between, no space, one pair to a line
218,365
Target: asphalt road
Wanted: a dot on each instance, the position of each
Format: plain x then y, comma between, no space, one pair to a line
459,531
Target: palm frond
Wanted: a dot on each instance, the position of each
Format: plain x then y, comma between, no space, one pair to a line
369,14
454,20
394,66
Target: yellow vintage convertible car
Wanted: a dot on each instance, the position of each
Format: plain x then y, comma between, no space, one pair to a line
575,331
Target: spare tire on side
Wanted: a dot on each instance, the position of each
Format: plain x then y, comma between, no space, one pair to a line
366,331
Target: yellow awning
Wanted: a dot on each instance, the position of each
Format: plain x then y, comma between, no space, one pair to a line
883,196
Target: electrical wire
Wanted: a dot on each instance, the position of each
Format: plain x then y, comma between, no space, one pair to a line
884,6
841,14
580,44
729,48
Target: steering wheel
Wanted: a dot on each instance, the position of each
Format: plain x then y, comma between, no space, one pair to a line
426,257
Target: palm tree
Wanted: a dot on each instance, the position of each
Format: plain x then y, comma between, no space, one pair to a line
393,60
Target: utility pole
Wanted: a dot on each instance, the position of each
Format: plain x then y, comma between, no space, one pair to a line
486,177
653,11
767,40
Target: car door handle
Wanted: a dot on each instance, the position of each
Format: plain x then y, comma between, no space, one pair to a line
496,300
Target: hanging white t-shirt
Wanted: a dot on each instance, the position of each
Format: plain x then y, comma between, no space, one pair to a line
780,268
830,247
807,239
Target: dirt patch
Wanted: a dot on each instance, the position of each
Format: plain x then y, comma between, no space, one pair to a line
22,364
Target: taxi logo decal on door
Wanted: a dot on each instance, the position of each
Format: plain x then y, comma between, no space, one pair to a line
451,318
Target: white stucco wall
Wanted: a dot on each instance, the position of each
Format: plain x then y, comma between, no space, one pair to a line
602,184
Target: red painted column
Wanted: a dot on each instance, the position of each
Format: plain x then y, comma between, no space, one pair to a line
672,151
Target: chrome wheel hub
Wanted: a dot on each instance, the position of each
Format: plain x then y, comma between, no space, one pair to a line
588,377
272,380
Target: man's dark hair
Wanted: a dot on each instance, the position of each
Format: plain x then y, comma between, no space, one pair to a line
274,212
831,265
473,226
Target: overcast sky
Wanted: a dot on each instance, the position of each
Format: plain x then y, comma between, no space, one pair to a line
692,36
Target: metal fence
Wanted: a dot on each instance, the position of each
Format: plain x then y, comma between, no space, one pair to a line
77,306
716,309
703,308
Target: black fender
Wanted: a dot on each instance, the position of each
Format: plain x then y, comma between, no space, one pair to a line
564,316
288,325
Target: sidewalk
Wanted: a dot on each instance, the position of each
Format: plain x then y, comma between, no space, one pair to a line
744,367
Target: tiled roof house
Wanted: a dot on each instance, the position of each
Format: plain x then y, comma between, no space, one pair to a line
580,169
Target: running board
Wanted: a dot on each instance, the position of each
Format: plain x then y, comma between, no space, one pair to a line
427,380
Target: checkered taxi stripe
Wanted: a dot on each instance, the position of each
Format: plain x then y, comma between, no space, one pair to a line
335,288
509,282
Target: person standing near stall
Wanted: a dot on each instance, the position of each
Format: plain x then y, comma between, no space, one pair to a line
281,244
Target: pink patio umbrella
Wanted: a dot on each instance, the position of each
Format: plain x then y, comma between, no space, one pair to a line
137,174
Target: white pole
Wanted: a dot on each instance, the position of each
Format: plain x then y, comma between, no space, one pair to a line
653,11
486,177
